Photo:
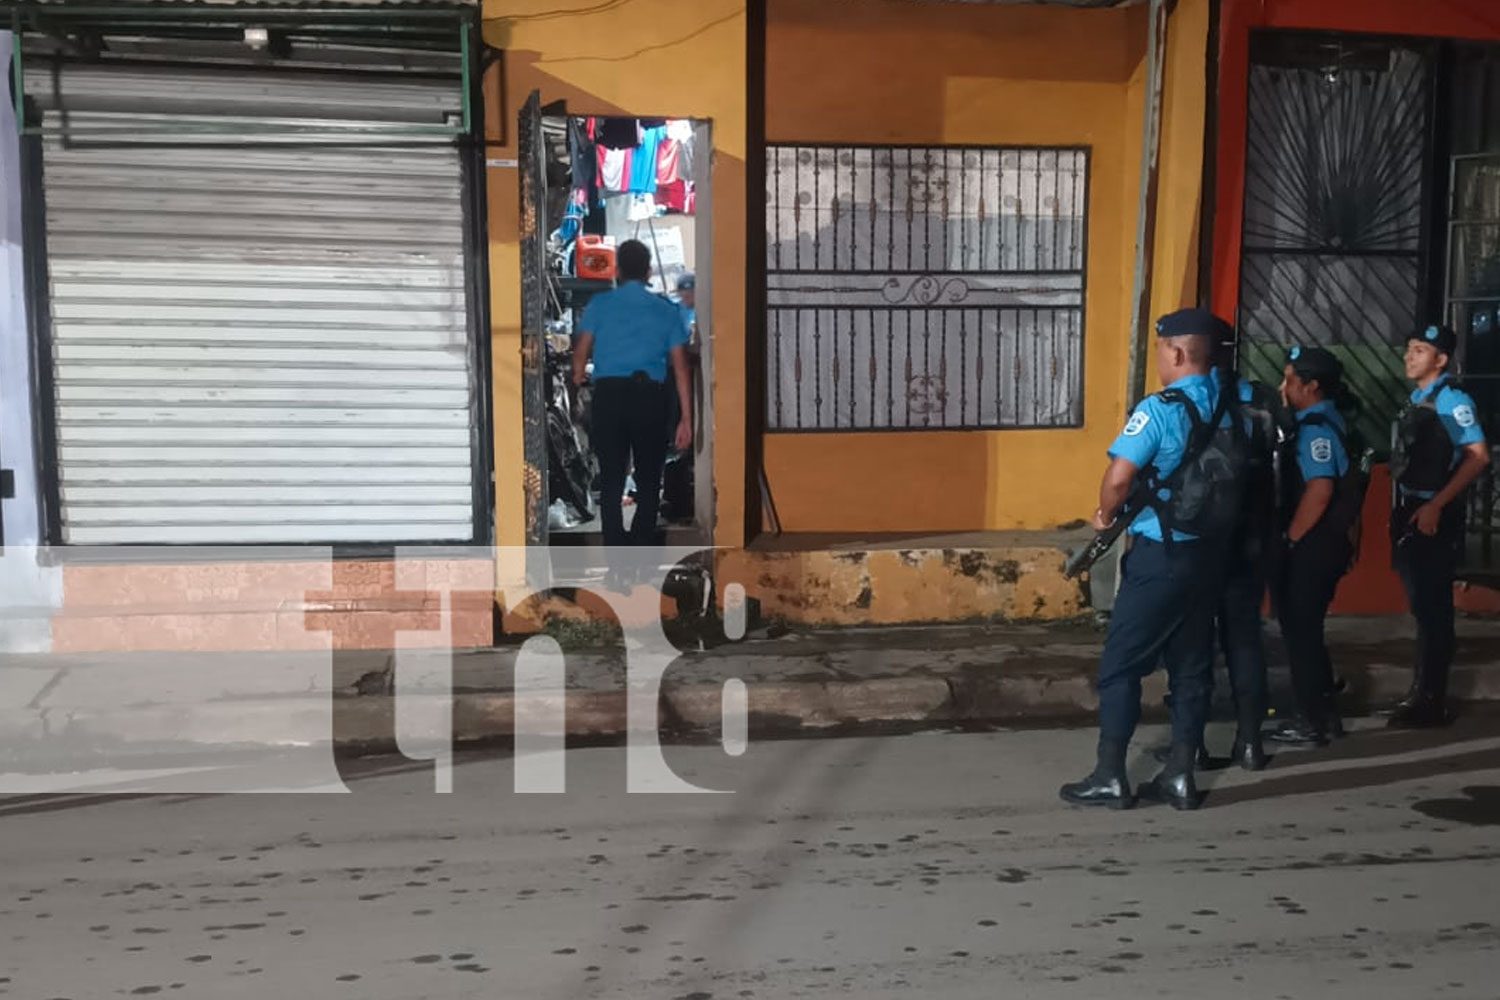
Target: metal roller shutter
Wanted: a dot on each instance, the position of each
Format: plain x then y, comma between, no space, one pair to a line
263,340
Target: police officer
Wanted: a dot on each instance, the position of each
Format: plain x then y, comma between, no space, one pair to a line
1318,542
687,292
677,480
1238,618
633,336
1439,449
1239,621
1165,605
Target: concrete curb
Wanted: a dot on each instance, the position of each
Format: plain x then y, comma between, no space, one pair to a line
778,708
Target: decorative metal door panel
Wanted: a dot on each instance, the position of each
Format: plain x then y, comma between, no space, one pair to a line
925,288
1336,233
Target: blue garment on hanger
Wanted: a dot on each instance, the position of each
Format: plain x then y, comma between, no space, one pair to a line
643,161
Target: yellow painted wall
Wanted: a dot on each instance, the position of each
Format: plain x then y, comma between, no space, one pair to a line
669,58
929,73
885,72
1179,195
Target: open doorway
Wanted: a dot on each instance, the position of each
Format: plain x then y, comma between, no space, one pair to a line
605,181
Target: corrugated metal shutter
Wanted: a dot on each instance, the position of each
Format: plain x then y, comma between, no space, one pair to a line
264,340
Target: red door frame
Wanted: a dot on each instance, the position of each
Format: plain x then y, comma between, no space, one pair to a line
1372,588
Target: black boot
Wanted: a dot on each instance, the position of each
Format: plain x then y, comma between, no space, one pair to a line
1423,713
1174,785
1249,752
1412,696
1299,731
1429,709
1162,753
1108,785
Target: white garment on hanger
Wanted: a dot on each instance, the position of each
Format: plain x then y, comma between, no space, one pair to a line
642,207
613,170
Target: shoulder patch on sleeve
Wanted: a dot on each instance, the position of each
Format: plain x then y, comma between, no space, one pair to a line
1322,449
1137,423
1463,415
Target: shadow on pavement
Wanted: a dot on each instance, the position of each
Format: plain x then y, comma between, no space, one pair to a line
1346,779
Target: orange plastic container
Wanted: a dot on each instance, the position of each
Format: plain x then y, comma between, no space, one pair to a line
596,258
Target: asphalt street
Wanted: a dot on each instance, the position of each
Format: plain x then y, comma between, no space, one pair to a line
936,864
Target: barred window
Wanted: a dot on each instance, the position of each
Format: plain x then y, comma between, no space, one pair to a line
917,288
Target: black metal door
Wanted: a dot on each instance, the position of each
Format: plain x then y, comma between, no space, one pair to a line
530,156
1337,233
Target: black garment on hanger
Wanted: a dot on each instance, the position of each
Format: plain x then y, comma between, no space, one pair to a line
585,162
619,133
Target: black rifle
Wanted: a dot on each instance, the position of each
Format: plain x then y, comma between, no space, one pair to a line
1103,541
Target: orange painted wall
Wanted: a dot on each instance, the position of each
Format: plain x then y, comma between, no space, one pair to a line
1372,587
988,74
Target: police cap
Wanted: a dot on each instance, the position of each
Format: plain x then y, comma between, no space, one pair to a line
1194,322
1315,363
1441,337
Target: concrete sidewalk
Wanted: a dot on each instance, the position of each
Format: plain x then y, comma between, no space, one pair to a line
83,707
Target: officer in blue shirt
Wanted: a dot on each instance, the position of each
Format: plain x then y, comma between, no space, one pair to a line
1237,617
1320,517
1439,449
677,482
633,337
1165,605
1239,620
687,291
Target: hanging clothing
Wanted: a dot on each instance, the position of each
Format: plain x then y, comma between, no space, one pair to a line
676,197
643,164
617,214
642,208
680,131
669,162
583,159
615,168
619,133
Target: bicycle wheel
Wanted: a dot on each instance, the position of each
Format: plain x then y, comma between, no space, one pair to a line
568,474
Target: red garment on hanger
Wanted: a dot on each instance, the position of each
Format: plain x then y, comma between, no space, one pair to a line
669,162
677,196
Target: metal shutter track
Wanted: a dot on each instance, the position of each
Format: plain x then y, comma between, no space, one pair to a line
257,343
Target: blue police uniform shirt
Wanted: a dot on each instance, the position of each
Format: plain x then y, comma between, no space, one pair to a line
1246,394
689,317
634,330
1157,433
1455,408
1320,452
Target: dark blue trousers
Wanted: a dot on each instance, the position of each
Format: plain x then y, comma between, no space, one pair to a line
1428,565
1241,639
1164,611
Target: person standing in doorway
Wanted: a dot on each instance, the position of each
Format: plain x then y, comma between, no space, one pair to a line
677,479
635,338
1439,449
687,292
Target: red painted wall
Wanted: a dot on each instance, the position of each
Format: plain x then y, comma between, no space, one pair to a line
1372,588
